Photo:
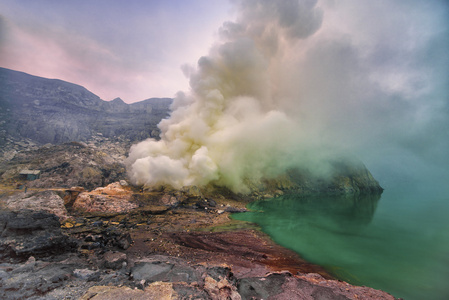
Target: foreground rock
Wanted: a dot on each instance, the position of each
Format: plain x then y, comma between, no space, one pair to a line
155,251
48,201
26,233
165,278
156,290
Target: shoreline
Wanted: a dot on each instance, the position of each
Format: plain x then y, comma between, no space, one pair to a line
246,250
185,243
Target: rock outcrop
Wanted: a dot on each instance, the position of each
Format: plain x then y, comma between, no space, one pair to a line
347,177
48,201
68,165
113,198
28,233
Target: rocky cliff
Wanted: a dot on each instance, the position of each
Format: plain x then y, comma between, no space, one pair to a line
54,111
348,177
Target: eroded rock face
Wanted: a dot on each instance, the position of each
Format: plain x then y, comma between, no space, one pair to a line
348,177
54,111
28,233
67,165
48,201
112,198
33,279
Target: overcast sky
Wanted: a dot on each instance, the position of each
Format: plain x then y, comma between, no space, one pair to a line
128,49
372,75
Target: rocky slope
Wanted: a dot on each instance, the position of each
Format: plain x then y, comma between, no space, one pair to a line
67,165
348,177
54,111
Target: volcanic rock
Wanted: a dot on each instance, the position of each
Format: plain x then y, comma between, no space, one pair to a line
347,177
163,271
33,279
67,165
27,233
84,274
155,291
54,111
71,194
112,198
221,288
166,258
114,260
48,201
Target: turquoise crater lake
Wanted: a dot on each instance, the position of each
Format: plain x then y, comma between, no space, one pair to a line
397,242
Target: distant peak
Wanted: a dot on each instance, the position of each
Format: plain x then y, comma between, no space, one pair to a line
118,100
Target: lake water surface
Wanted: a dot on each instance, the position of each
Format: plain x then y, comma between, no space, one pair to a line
397,242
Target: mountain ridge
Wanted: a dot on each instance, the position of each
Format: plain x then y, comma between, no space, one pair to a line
55,111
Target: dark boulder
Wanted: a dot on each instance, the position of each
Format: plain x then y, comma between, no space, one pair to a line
28,233
163,271
33,280
286,286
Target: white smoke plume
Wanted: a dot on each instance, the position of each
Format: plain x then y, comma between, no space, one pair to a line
282,87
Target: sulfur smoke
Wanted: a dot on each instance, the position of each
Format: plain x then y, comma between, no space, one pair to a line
281,88
229,129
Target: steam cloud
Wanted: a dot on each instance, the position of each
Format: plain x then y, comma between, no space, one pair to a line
281,88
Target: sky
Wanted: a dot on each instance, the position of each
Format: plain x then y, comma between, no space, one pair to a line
367,78
128,49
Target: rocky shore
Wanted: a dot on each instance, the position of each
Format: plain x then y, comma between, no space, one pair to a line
121,242
80,231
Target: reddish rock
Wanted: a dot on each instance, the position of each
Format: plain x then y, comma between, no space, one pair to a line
112,198
248,252
221,289
71,195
